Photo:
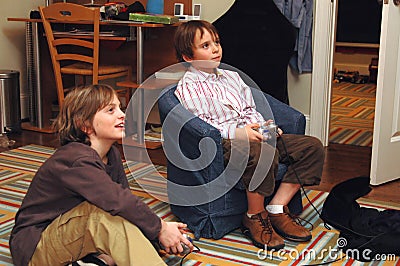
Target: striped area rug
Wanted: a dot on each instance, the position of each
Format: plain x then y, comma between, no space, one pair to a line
18,166
352,113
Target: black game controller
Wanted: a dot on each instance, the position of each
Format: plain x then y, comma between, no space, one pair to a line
186,249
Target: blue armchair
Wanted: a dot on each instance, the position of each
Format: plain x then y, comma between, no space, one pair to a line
224,214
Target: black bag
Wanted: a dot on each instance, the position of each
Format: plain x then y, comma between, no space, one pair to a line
119,11
368,231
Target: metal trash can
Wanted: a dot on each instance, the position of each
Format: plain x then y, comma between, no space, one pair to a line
10,107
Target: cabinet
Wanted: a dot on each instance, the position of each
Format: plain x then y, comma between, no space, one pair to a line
355,56
357,34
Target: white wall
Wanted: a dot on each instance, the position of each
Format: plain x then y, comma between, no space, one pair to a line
213,9
299,87
12,38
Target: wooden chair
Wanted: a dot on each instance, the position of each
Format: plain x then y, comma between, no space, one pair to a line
78,54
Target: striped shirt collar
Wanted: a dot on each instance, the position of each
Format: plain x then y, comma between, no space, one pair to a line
202,75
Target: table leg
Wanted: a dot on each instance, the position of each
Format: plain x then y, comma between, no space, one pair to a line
34,75
140,119
139,79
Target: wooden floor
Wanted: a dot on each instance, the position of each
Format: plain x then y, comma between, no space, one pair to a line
342,162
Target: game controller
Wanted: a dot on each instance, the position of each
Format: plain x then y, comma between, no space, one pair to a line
186,249
268,131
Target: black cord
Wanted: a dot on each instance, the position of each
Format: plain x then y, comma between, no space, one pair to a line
197,250
298,179
319,214
316,210
371,238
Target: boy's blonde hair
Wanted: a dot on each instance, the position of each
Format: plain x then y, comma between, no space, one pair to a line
77,113
185,33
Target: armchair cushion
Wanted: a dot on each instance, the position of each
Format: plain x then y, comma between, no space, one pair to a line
198,139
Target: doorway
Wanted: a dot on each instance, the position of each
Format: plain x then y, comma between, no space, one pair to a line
355,63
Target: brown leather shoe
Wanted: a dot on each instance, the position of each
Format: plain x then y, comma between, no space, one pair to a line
259,229
287,226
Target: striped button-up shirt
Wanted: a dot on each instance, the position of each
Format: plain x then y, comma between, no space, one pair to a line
223,99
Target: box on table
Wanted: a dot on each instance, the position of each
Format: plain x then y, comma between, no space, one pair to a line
155,18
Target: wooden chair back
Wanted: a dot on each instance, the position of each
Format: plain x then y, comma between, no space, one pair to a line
66,50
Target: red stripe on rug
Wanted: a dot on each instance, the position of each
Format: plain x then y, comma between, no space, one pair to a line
354,135
36,149
167,215
224,258
7,156
235,241
30,171
13,190
350,102
306,251
334,132
349,262
5,246
151,201
6,221
313,199
10,204
12,177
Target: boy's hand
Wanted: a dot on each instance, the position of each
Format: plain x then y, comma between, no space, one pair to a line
249,132
171,237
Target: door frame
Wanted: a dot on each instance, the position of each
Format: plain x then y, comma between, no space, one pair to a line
321,84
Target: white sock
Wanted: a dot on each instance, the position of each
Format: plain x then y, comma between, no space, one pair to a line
274,209
249,214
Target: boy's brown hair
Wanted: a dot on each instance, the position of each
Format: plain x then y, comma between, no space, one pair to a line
78,110
185,33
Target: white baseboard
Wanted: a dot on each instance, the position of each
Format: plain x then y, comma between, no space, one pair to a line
24,101
307,124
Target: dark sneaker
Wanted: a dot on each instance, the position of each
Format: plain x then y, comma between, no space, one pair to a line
259,229
288,226
89,260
